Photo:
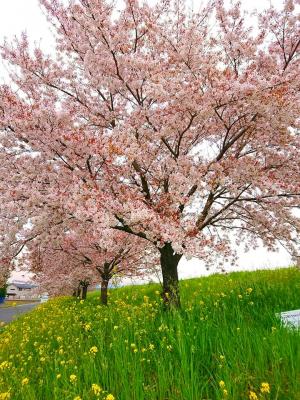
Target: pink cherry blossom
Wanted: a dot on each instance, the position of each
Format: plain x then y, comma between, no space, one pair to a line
179,128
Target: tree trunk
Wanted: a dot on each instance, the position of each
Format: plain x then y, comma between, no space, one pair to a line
169,262
104,286
78,293
84,292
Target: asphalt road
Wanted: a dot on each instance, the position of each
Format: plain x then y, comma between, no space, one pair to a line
8,314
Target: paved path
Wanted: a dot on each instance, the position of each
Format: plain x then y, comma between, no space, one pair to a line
7,314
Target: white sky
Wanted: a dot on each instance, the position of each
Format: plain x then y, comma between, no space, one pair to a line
17,16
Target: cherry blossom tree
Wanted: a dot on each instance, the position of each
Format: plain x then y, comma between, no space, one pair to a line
180,128
65,276
73,255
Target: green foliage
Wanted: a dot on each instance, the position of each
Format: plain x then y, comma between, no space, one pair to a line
224,343
3,291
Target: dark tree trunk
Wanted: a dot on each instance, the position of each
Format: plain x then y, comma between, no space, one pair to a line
104,286
169,263
78,291
84,292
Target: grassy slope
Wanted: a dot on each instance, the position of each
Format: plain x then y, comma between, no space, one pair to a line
224,333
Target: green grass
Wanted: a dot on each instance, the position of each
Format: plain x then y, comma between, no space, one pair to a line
224,332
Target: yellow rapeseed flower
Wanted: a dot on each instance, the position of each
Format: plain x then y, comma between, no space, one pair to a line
87,327
222,384
73,378
96,389
94,350
77,398
225,393
4,365
25,381
265,387
5,396
252,395
58,376
110,397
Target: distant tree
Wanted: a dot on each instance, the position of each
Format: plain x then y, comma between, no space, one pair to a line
70,257
176,127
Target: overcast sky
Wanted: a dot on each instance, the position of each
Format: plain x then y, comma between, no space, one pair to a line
25,15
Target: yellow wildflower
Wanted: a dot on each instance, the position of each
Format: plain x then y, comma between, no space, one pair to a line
110,397
87,327
4,365
58,376
265,387
73,378
96,389
5,396
94,350
222,384
249,290
25,381
77,398
252,395
225,393
151,346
